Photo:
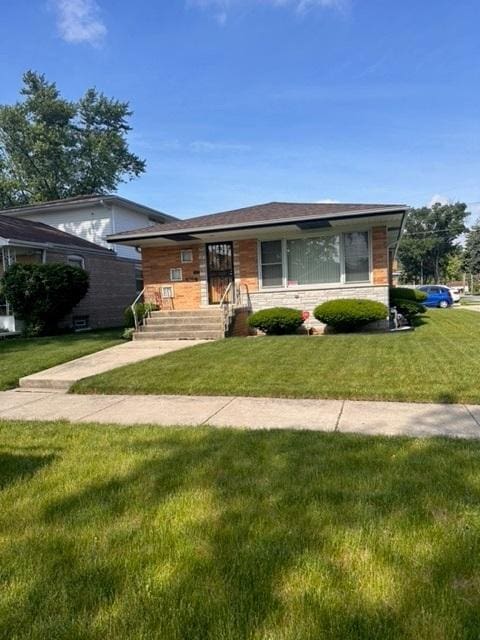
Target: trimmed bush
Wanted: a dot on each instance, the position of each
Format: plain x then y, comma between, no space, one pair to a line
409,309
276,321
405,293
42,294
142,308
350,314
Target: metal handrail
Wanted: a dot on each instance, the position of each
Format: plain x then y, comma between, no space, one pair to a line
225,293
225,306
247,295
134,311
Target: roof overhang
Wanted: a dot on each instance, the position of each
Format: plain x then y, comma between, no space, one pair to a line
107,200
392,218
70,248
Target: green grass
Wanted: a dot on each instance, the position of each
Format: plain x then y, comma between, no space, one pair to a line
200,534
20,357
438,362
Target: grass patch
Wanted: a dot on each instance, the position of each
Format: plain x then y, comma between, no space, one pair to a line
438,362
204,534
21,357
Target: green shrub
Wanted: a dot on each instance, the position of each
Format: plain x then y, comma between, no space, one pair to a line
276,321
42,294
350,314
409,309
141,308
405,293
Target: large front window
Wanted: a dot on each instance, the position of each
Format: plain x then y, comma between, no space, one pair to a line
313,260
341,258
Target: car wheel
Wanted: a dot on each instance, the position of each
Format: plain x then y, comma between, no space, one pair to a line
443,304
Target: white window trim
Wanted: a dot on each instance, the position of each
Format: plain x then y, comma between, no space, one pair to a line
76,258
182,252
172,279
171,289
342,283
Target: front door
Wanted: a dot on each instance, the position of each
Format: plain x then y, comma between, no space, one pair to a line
219,269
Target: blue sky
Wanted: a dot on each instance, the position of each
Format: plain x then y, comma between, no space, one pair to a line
244,101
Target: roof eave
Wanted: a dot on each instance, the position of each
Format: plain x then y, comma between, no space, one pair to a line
158,233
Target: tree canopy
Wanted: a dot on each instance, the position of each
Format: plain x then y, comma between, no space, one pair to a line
430,241
53,148
471,258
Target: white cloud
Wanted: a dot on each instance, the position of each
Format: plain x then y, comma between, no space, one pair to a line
79,21
221,8
328,201
438,198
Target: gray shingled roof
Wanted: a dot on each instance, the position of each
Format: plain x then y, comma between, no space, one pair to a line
272,212
85,201
21,230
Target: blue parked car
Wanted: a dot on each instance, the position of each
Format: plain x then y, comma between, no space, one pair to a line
437,296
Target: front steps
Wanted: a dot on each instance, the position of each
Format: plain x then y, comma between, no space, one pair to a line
200,324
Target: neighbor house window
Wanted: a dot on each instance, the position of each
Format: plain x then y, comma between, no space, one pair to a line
357,256
186,255
325,259
167,292
176,275
76,261
313,260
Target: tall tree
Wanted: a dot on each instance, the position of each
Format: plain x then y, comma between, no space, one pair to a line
430,239
471,257
53,148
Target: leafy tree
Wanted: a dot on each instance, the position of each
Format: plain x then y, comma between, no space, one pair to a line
429,241
471,258
53,148
454,266
42,294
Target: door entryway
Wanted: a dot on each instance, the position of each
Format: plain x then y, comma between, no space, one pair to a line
219,269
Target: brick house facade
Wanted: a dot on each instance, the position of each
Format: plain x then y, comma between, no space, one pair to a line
192,292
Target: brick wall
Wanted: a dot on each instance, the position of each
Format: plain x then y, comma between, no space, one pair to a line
380,255
247,258
157,262
112,289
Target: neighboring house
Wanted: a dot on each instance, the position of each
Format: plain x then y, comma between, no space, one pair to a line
93,218
113,283
276,254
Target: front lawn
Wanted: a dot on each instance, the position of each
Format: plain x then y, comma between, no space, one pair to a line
438,362
21,357
203,534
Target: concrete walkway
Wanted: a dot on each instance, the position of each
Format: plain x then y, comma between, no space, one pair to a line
385,418
63,376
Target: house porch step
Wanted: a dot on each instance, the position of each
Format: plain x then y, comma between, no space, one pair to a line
197,324
174,334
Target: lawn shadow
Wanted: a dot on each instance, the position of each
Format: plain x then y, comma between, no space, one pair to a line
263,509
17,467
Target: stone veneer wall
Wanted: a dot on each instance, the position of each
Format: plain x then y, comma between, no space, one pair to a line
308,299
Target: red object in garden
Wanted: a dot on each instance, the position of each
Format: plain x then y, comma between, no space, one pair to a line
305,315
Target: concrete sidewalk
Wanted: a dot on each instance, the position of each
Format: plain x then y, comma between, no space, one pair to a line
63,376
372,418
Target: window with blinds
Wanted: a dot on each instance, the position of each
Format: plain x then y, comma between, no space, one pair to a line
326,259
